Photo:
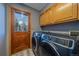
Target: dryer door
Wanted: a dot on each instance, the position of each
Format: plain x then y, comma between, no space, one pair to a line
46,49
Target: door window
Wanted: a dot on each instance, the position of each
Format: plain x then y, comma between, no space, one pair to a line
20,22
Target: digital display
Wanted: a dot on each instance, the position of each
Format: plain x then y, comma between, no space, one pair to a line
74,33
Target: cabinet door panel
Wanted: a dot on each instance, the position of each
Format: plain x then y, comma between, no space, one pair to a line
78,11
47,20
51,15
64,12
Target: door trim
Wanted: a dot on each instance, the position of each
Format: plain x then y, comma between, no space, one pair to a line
9,31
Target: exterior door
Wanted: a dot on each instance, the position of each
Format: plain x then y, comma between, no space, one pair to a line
20,30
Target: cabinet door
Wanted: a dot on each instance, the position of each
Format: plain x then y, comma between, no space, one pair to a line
44,19
78,11
51,15
64,12
47,20
48,17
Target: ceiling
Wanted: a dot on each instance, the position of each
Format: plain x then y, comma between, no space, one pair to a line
37,6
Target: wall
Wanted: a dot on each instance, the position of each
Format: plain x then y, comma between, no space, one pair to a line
34,21
46,7
2,30
63,27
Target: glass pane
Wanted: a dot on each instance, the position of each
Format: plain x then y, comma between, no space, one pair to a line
20,22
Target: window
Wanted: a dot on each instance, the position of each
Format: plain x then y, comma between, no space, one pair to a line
20,22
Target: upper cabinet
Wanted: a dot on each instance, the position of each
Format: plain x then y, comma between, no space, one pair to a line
65,12
51,15
46,18
78,12
60,13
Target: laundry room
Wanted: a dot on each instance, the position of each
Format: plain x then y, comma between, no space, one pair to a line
39,29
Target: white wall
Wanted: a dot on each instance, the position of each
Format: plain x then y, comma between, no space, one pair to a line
2,30
47,6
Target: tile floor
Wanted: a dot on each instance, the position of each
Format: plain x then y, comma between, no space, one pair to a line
27,52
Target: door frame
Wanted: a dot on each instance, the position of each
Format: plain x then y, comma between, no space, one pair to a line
9,7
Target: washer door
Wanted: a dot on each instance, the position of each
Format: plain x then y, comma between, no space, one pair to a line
45,49
36,37
35,45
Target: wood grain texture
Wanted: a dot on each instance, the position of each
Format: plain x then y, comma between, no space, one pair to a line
78,11
64,12
19,40
59,13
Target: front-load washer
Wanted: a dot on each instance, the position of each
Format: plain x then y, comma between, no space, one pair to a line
65,46
56,46
46,48
36,38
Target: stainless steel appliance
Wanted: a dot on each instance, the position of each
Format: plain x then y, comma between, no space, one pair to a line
56,43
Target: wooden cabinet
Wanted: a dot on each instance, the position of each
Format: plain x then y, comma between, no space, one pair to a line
78,11
65,12
60,13
48,18
51,15
42,20
45,19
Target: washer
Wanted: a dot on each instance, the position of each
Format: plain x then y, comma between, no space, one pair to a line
46,48
57,46
36,38
48,45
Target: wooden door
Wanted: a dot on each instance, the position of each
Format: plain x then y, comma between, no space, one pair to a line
20,30
64,12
